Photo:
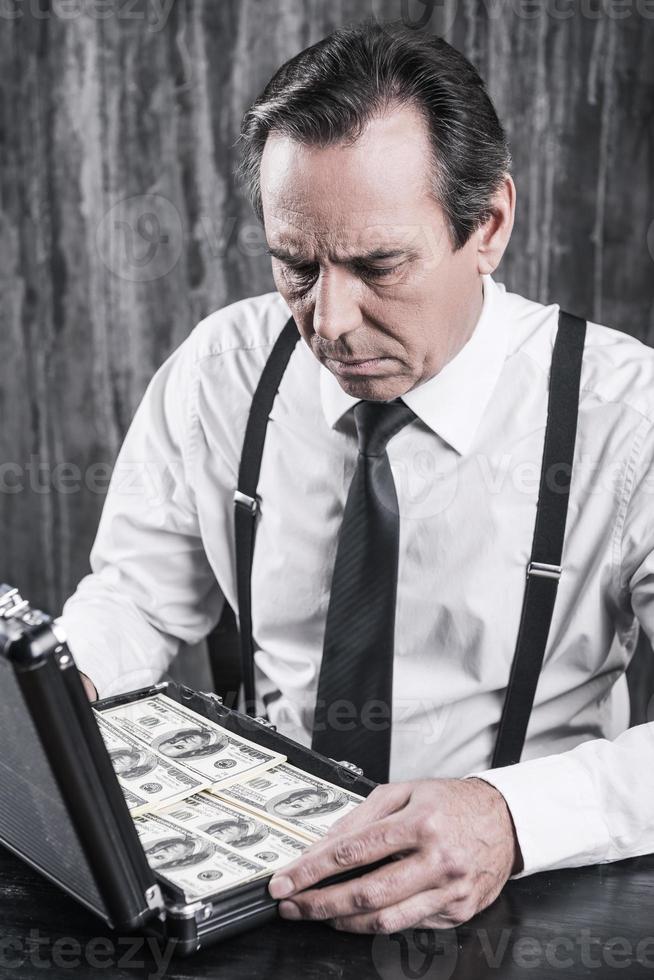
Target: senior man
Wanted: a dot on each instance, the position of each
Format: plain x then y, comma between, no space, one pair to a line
403,395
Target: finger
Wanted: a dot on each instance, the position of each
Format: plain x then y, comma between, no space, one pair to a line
333,856
371,892
89,687
383,801
428,910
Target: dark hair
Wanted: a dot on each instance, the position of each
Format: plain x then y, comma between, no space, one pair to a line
327,93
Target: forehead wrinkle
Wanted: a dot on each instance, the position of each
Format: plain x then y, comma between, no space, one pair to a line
325,220
331,246
310,233
378,253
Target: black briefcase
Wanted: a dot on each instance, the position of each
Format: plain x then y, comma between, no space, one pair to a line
62,809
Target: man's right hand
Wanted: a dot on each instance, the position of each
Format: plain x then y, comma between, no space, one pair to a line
89,687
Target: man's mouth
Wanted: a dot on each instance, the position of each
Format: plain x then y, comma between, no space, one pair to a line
372,365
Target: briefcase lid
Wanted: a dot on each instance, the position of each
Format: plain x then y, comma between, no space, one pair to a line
61,807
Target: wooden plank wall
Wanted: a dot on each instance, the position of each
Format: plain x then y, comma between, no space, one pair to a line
121,226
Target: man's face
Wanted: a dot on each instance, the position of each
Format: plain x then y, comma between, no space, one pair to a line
362,256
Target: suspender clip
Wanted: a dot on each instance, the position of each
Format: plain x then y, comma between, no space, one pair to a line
544,570
249,502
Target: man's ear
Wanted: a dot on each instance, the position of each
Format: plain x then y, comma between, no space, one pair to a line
494,234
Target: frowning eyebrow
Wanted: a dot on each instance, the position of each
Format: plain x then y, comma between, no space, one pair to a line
375,255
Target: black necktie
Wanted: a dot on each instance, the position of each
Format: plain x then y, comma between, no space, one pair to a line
354,703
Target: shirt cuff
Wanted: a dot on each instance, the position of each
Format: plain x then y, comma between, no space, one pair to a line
556,813
106,673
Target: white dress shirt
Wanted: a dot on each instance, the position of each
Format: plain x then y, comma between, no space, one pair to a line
467,474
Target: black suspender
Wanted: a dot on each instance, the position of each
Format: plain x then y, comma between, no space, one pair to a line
245,498
544,568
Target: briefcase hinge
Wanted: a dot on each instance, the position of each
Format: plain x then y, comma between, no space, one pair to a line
12,603
154,898
249,502
13,606
544,570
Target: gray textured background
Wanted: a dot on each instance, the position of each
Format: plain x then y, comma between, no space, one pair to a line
120,224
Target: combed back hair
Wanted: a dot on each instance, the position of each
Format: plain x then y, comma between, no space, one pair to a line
327,93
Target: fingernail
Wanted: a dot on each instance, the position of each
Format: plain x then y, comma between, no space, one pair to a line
281,887
289,910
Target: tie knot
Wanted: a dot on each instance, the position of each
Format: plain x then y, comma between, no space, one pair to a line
378,422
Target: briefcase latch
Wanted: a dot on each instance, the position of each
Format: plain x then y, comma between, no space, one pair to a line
266,724
349,765
211,695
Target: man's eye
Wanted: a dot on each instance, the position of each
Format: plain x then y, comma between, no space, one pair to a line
301,274
376,273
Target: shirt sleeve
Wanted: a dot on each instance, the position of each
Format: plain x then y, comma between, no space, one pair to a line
595,803
151,585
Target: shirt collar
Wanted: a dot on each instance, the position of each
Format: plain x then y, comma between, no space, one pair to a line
452,403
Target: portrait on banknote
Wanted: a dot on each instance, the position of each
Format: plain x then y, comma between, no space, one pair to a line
133,763
190,743
178,852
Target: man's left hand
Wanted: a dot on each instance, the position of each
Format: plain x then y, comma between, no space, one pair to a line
453,844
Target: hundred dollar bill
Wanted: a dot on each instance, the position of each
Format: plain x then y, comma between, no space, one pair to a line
293,799
257,839
191,860
148,780
199,745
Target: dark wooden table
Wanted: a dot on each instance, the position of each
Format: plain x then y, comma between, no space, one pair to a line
593,922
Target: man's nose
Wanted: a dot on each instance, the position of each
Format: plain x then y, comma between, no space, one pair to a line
336,310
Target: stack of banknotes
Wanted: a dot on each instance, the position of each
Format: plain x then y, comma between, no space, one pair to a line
212,809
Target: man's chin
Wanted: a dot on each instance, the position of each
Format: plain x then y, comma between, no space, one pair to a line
375,389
